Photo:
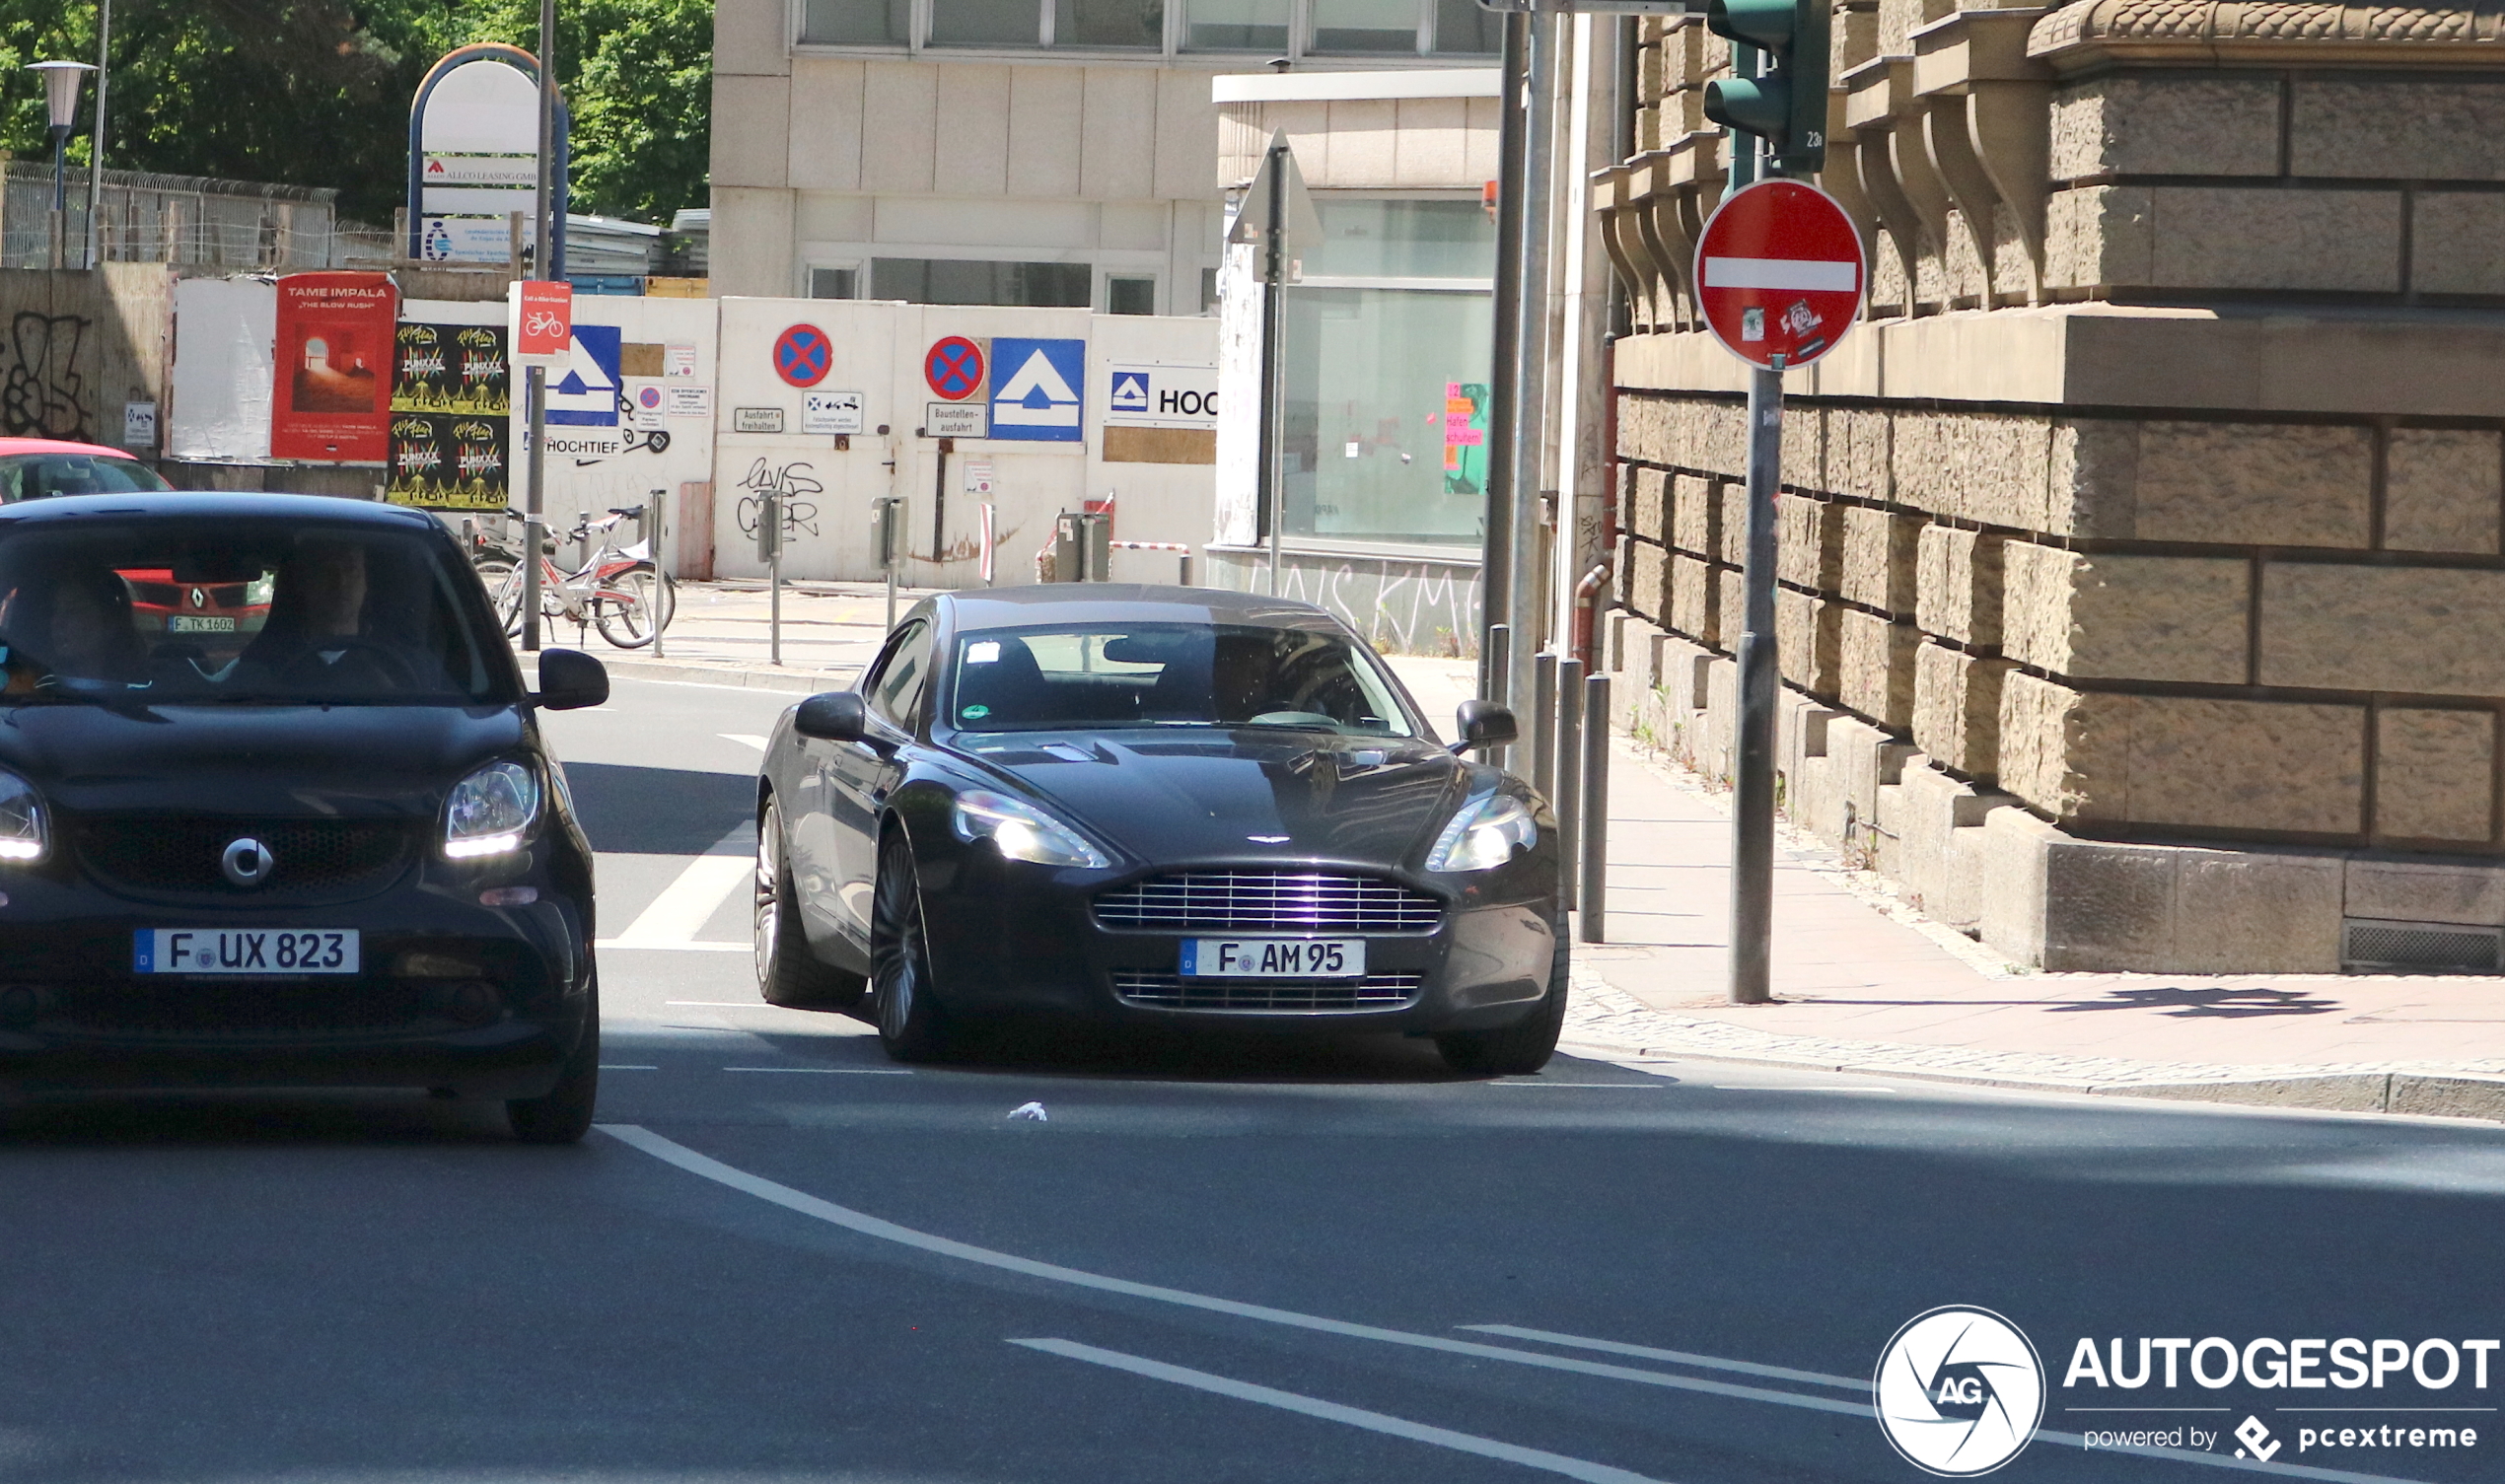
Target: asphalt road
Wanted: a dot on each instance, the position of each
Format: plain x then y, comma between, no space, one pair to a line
784,1258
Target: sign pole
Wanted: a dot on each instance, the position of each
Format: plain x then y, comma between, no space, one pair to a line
1753,790
1274,369
536,381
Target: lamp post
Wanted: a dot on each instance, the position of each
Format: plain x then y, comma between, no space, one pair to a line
60,97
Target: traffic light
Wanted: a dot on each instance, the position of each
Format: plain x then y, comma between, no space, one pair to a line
1786,103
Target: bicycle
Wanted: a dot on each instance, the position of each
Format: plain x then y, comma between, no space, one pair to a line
619,589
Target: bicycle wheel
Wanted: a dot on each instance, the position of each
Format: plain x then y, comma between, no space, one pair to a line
503,579
632,604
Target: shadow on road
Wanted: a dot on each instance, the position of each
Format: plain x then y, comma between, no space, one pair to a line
2218,1002
633,811
203,1120
1049,1050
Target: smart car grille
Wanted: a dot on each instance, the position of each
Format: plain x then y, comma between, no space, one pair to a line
1268,901
1175,992
309,857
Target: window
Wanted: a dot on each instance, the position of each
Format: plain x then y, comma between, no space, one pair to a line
1125,295
951,280
1366,26
1379,239
1466,27
858,22
1172,675
897,694
1110,25
1238,25
986,23
31,477
834,283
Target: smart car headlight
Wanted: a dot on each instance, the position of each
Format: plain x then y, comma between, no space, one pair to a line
490,810
1023,832
22,837
1484,835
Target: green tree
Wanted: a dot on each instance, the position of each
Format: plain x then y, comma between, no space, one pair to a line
316,92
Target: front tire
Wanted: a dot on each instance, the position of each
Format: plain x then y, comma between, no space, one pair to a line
634,605
912,1024
787,972
1524,1047
564,1115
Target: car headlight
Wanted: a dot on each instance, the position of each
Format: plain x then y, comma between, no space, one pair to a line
1484,835
1022,832
22,835
490,810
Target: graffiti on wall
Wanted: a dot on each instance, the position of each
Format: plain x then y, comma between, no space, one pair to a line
44,397
1401,608
792,483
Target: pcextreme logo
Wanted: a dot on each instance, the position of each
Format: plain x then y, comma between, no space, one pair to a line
1960,1391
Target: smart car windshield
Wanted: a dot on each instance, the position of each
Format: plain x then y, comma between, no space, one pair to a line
245,610
1171,675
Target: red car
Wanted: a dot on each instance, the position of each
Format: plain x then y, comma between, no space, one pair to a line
34,467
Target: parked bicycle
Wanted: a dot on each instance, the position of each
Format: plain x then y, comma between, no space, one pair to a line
619,589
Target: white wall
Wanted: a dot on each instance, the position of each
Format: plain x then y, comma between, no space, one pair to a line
585,475
879,351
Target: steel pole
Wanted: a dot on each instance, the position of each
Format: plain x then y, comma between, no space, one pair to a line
658,542
1273,360
1568,799
96,142
1530,357
1504,393
1544,724
1752,798
1499,654
535,382
1592,926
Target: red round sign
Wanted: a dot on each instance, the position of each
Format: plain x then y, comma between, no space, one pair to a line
1779,274
954,367
803,355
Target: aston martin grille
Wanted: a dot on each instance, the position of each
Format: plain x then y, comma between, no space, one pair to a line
1175,992
1268,901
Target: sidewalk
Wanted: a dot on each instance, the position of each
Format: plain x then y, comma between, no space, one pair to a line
1864,983
721,635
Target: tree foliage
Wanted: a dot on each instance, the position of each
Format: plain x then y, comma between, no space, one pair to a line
318,91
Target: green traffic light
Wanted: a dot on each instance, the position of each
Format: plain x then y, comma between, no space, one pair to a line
1759,105
1770,23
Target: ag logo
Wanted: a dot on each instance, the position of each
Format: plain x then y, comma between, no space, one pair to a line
1960,1391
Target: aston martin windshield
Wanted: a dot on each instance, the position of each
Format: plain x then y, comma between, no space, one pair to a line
242,610
1170,674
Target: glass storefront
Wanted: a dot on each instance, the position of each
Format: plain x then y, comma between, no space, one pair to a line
1387,380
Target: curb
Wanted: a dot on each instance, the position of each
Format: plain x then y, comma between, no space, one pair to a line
2424,1093
793,681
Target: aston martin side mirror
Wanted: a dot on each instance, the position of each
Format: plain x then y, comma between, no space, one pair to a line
836,716
1482,723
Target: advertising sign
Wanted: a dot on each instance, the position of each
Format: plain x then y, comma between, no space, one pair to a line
1035,385
452,367
450,462
331,398
474,155
541,325
1464,438
583,387
1161,397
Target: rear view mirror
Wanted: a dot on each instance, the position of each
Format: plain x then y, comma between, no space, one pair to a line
1482,723
836,716
570,679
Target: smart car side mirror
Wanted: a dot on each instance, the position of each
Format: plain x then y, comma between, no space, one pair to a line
1482,723
570,679
836,716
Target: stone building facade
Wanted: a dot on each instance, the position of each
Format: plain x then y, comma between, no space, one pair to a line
2143,602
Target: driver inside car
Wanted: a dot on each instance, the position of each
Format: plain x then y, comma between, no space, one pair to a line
317,629
77,626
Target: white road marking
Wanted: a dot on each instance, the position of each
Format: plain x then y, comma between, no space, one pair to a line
1675,1357
1778,1088
745,738
616,1066
1331,1411
670,1152
832,1071
676,947
686,904
731,1004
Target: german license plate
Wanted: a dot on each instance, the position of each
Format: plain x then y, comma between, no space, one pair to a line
1274,957
199,623
244,950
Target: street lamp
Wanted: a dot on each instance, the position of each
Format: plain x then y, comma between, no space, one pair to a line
60,97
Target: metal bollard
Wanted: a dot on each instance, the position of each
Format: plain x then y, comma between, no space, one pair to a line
656,523
1544,724
1594,879
1568,772
1499,648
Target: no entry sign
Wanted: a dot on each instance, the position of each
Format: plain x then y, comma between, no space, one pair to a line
1779,274
954,367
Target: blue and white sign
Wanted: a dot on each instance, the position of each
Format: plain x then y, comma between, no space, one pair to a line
1037,389
584,394
1149,395
1131,390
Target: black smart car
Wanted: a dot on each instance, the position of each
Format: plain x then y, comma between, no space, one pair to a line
275,811
1156,805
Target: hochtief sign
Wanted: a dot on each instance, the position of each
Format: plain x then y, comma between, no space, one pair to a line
474,158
